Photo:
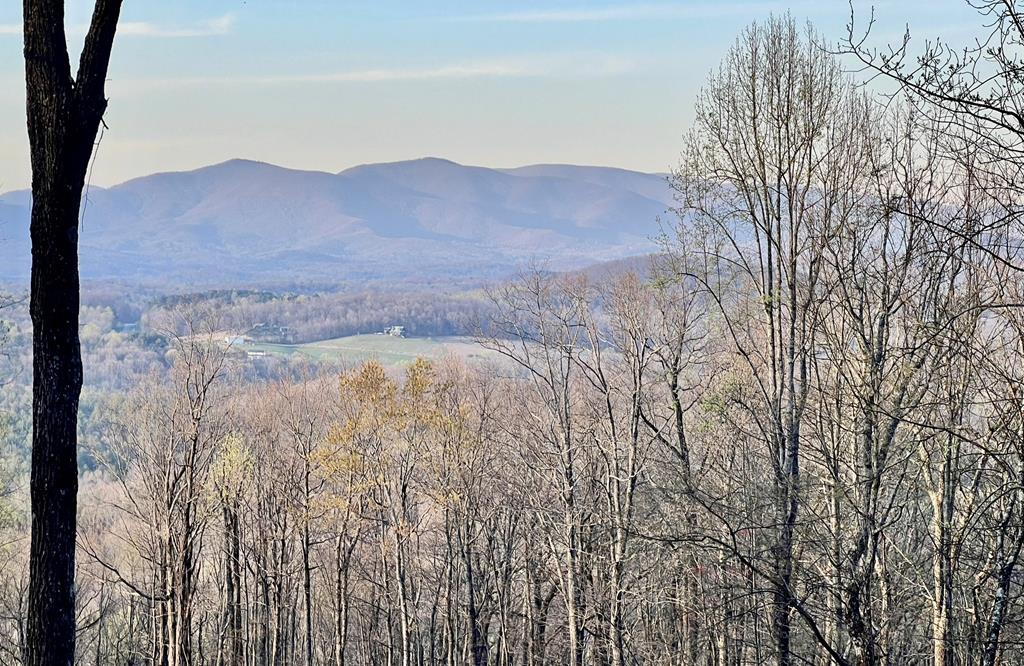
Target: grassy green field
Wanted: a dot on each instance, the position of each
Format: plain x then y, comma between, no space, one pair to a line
384,349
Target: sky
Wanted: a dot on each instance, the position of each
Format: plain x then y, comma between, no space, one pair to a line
329,84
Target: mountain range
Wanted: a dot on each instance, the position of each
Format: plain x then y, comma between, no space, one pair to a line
243,220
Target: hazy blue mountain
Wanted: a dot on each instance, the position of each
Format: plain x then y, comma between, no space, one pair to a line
244,220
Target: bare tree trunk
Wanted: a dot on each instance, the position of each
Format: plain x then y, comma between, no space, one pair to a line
343,555
403,599
1008,555
63,118
572,585
307,582
233,587
478,640
943,503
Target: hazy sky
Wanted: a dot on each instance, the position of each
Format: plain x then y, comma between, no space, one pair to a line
328,84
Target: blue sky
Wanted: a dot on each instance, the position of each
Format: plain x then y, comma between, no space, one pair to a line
328,84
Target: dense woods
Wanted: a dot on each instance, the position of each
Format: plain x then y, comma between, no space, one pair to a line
796,437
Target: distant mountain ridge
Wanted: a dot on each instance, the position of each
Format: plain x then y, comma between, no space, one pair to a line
243,220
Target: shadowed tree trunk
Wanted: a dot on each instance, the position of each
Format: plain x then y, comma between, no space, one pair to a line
63,117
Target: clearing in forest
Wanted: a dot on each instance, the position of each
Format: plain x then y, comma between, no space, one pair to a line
385,349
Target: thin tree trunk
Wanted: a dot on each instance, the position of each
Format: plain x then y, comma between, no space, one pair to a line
478,640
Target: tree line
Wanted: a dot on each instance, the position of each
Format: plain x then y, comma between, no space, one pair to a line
297,318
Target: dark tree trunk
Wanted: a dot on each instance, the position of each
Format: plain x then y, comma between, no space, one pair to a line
478,639
63,117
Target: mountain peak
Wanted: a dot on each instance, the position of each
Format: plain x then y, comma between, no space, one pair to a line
436,160
419,163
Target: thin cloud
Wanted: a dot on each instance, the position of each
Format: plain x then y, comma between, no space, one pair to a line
573,66
466,71
213,27
632,12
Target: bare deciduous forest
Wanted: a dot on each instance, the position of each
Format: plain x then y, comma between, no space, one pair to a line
797,437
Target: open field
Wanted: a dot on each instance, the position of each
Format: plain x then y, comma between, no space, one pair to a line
385,349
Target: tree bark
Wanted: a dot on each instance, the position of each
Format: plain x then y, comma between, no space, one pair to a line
63,117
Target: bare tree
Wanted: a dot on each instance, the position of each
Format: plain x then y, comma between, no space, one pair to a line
770,169
972,91
537,326
162,457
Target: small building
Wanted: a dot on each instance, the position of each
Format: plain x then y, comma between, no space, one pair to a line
395,331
